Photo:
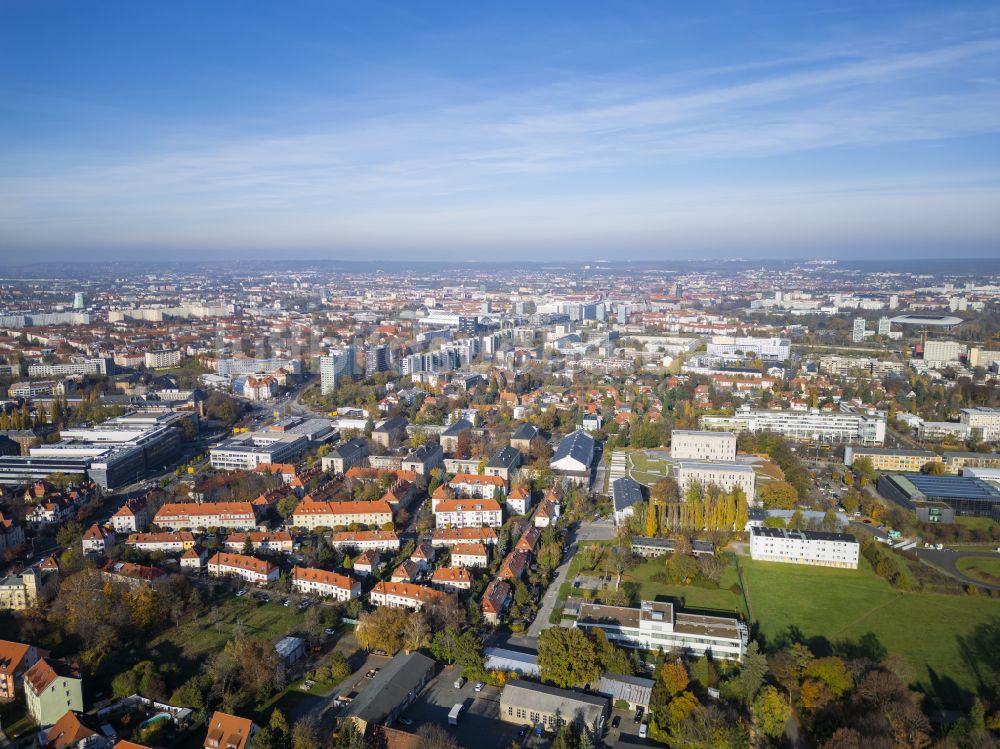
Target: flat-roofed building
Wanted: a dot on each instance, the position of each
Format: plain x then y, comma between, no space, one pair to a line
702,445
891,459
939,499
726,476
655,625
245,452
811,426
816,548
166,541
529,704
983,422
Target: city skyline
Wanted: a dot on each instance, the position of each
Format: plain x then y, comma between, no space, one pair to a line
402,132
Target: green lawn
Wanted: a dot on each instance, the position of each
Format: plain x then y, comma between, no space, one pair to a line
646,470
207,634
844,605
971,522
986,569
710,599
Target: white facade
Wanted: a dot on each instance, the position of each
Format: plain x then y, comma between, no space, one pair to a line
804,547
694,445
982,421
162,359
250,569
723,475
246,452
836,426
761,348
468,513
323,583
941,352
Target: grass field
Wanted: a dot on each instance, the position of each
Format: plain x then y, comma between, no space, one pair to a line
844,605
721,599
971,522
985,569
207,634
646,470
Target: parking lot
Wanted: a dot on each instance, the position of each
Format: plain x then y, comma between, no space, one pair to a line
480,724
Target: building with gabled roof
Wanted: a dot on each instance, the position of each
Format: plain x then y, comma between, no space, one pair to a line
469,555
452,536
51,687
403,595
15,659
71,731
227,731
468,513
328,584
451,579
496,599
250,569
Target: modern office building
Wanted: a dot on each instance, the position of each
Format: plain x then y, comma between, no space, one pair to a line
812,426
939,499
772,349
891,459
804,547
983,422
658,625
702,445
245,452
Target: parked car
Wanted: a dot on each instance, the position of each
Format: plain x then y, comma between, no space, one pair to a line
616,721
371,673
638,715
480,686
643,730
459,682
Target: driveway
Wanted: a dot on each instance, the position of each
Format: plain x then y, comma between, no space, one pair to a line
945,561
552,594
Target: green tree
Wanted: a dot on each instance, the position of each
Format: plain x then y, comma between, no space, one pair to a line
779,495
751,675
770,712
567,657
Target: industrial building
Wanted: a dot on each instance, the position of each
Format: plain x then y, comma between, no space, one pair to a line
939,499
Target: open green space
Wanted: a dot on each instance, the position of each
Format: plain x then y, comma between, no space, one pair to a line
208,633
842,606
972,522
984,569
721,599
645,469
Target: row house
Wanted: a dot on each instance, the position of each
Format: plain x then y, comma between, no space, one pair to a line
131,517
547,514
451,579
529,540
311,580
423,555
451,536
404,595
250,569
468,513
165,541
239,516
313,514
278,542
11,534
514,565
365,540
469,555
194,559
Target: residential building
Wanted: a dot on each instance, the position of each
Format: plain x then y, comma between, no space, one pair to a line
367,563
472,485
343,457
452,536
451,579
227,731
702,445
250,569
625,493
403,595
51,687
312,514
815,548
496,599
268,542
530,704
454,432
131,517
97,541
467,513
168,541
846,366
241,367
726,476
522,437
423,459
771,349
336,368
19,591
162,359
519,500
328,584
74,731
131,575
504,463
942,352
237,516
983,422
15,659
194,559
11,534
390,433
657,625
469,555
393,689
366,540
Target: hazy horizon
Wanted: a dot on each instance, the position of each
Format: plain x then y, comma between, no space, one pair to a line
568,132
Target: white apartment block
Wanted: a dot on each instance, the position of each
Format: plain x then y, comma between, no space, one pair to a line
762,348
232,515
656,626
249,569
168,542
163,359
468,513
695,445
833,427
403,595
366,540
804,547
982,422
723,475
846,365
469,555
941,352
323,583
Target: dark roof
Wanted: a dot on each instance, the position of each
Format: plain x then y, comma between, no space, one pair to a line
945,487
392,423
505,457
390,687
625,492
462,425
804,535
578,445
423,452
525,432
350,448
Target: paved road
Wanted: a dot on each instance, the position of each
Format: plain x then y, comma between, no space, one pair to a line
552,594
946,561
597,530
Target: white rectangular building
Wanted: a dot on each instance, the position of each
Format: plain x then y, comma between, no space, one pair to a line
775,349
723,475
822,426
804,547
702,445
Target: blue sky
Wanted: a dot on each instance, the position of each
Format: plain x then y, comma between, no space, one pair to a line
498,131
